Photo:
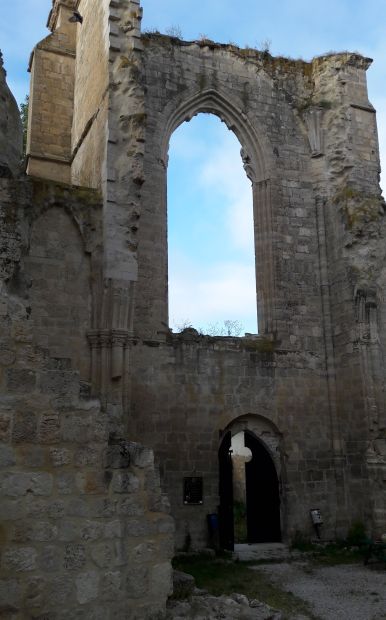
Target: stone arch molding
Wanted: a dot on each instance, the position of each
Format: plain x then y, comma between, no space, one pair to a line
256,154
264,430
213,102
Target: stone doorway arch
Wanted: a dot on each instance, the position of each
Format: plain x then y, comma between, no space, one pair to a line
263,488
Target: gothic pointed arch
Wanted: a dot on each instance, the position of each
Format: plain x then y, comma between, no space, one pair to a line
256,153
255,158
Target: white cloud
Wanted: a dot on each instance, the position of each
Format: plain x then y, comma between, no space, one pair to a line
223,172
225,290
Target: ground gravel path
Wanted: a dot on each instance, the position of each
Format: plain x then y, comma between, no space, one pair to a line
344,592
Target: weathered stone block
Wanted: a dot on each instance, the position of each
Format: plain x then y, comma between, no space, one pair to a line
125,482
91,530
137,581
60,456
140,456
7,456
165,525
87,587
19,560
118,456
31,456
69,530
130,507
24,427
20,380
50,558
183,585
35,592
49,428
51,508
136,528
10,596
93,482
11,509
89,455
65,483
103,554
74,556
60,590
7,354
5,426
111,586
41,483
61,386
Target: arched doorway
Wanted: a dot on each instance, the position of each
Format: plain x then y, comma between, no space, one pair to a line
262,493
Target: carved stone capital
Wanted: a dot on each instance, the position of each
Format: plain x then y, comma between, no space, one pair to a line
119,337
105,338
93,338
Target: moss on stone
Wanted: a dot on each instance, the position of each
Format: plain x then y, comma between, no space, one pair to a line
44,190
358,208
260,345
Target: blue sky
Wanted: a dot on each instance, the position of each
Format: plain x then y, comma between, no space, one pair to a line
204,155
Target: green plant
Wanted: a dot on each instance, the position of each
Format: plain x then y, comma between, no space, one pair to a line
260,345
357,534
265,47
225,576
358,208
24,111
301,543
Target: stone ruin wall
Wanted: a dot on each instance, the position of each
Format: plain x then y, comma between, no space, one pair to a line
315,371
308,135
84,527
10,134
82,504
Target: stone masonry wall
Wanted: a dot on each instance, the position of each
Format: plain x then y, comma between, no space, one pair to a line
318,220
315,374
89,131
192,388
84,529
10,129
52,101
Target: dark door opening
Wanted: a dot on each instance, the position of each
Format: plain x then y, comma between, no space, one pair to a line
262,496
262,491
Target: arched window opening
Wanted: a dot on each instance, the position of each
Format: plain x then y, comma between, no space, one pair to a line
211,274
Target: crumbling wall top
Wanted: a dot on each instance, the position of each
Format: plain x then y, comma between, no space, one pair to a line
11,135
54,13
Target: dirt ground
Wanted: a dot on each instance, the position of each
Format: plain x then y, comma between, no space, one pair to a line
299,587
342,592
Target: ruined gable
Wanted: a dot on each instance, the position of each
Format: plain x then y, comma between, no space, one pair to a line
88,363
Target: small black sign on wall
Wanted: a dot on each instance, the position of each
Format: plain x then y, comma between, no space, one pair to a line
193,490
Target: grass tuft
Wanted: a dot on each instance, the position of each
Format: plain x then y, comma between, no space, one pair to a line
224,576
